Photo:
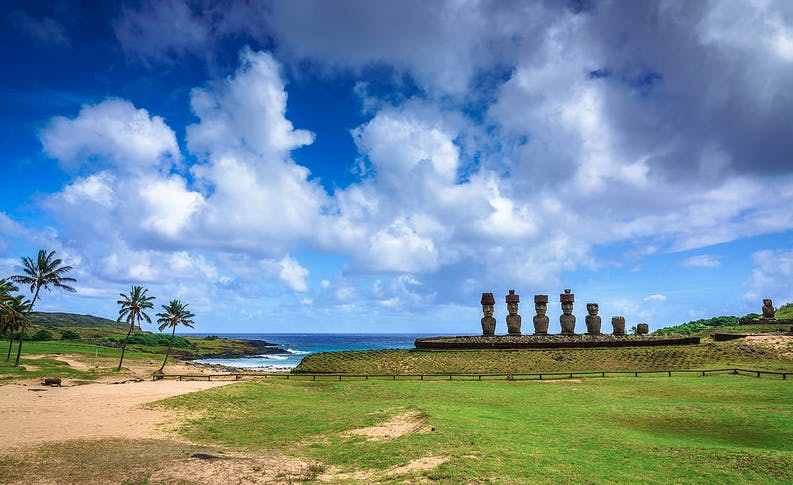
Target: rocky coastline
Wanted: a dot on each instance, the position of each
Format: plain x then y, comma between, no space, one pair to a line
248,348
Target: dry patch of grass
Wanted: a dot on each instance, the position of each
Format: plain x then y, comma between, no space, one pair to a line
399,425
780,343
147,461
427,463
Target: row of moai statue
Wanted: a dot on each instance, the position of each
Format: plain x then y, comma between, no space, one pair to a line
566,319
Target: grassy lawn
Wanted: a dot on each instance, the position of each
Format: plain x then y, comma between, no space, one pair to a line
97,361
647,429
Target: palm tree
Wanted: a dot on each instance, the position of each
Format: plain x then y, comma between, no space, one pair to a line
6,312
132,307
175,313
13,318
42,273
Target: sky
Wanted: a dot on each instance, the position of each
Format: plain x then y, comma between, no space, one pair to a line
375,166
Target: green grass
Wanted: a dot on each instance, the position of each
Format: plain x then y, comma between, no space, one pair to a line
709,354
717,429
785,312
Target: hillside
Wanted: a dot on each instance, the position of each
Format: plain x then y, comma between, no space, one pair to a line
46,319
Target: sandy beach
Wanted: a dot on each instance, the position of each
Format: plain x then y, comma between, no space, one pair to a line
33,413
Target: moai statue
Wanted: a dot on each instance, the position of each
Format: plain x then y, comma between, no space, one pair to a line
513,319
619,325
567,319
541,319
768,310
592,319
642,329
488,322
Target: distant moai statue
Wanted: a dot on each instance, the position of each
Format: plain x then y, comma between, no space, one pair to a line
592,319
768,310
567,319
513,319
541,319
642,329
618,323
488,322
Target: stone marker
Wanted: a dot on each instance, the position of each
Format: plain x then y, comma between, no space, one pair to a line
642,329
768,310
488,322
618,323
541,319
513,319
567,319
592,319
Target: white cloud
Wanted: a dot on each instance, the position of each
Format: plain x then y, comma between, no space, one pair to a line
701,261
655,297
293,274
772,277
111,132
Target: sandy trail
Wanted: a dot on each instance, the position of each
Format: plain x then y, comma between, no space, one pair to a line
35,414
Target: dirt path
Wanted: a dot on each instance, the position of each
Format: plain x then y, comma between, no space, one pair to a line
35,414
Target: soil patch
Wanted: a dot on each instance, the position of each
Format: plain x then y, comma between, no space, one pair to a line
87,411
399,425
780,343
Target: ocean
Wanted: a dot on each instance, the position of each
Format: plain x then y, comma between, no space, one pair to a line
299,345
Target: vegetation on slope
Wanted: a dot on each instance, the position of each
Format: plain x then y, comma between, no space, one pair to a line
74,321
709,354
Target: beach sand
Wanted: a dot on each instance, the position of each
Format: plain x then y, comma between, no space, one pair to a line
33,413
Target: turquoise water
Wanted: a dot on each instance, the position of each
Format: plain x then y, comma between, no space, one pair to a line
299,345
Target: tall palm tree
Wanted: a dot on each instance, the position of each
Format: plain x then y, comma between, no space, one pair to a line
6,313
45,271
175,313
132,308
13,318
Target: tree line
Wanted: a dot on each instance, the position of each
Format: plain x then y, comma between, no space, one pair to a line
46,272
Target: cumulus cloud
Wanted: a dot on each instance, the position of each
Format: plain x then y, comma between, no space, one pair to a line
772,277
113,133
655,297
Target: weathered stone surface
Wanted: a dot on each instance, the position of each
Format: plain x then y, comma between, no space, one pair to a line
642,329
487,299
768,309
567,319
592,319
513,319
541,319
618,324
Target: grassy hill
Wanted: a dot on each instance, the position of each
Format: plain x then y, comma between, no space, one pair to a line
74,320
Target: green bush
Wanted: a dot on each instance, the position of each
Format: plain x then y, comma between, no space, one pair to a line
152,340
70,335
41,335
696,326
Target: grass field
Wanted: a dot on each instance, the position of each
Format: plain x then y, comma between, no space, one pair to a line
709,354
716,429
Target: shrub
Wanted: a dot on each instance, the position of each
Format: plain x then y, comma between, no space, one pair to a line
70,335
41,335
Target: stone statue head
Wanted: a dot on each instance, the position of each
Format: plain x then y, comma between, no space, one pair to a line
767,302
567,298
512,302
487,301
541,304
592,308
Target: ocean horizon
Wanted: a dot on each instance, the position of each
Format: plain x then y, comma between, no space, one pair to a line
299,345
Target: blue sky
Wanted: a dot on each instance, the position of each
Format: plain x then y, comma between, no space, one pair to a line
360,166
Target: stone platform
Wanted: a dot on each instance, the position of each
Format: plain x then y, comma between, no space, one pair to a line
548,341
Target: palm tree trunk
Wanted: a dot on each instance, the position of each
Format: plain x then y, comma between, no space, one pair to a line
124,345
10,344
170,344
22,333
19,348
